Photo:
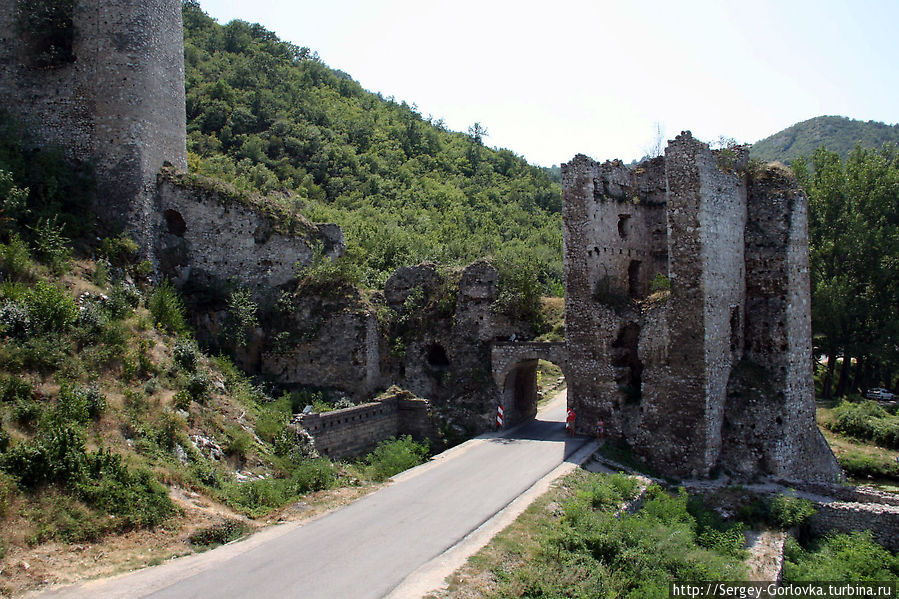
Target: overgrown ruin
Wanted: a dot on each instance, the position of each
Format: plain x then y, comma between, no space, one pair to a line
713,373
688,312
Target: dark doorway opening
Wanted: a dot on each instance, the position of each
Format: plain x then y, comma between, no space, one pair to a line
437,357
628,367
634,283
529,382
175,223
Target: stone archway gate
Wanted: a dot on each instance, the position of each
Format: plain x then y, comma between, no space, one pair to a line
506,355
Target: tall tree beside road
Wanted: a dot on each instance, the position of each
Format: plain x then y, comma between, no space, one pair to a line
854,237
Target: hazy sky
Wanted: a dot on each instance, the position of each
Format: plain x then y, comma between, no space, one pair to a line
553,79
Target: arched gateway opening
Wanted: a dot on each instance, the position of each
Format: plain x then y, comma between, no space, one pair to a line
528,384
525,373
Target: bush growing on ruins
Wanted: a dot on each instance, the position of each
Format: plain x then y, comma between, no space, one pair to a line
787,511
519,291
242,317
659,283
119,251
329,276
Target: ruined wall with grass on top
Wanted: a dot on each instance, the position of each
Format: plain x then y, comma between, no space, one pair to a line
207,232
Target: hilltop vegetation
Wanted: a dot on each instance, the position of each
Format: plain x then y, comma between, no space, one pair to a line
269,116
836,133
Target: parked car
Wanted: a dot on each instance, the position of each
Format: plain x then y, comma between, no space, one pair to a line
879,394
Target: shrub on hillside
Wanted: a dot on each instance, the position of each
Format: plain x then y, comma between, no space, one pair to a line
218,534
123,299
392,457
167,308
79,404
839,557
119,251
57,455
15,259
186,354
49,308
50,246
866,420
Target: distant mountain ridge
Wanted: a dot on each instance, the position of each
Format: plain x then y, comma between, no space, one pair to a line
837,133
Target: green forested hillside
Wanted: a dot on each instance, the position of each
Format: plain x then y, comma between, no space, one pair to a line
836,133
270,116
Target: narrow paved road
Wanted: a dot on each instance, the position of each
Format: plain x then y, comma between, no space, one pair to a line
367,548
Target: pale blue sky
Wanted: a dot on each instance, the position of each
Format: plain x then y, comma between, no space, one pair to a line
553,79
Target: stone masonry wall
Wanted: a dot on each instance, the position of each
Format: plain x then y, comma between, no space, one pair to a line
780,413
205,236
715,373
339,348
353,431
119,104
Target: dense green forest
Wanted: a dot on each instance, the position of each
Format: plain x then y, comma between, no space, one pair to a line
854,246
836,133
269,116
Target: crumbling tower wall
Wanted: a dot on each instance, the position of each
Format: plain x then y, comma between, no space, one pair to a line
105,82
714,373
768,395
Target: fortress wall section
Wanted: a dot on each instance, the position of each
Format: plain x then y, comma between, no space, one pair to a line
115,99
204,234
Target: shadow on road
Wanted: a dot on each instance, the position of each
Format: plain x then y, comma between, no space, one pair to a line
542,430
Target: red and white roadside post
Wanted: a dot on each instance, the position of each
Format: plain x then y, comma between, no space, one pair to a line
499,417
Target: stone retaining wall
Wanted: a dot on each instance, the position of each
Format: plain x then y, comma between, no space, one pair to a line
353,431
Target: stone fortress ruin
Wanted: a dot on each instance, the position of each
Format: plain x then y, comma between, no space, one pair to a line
688,312
104,81
711,374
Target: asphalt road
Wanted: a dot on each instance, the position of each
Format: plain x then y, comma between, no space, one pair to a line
369,547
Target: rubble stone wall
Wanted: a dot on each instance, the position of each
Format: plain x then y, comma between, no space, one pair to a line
716,372
119,103
206,236
351,432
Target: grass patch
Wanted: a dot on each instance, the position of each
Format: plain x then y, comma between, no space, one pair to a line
863,461
866,421
840,557
570,544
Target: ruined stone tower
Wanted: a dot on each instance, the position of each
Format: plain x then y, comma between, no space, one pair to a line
104,81
688,312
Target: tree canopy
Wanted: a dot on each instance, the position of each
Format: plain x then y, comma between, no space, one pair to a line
269,116
854,239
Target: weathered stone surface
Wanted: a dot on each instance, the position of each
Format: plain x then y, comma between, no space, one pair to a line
119,103
715,373
333,343
353,431
205,237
